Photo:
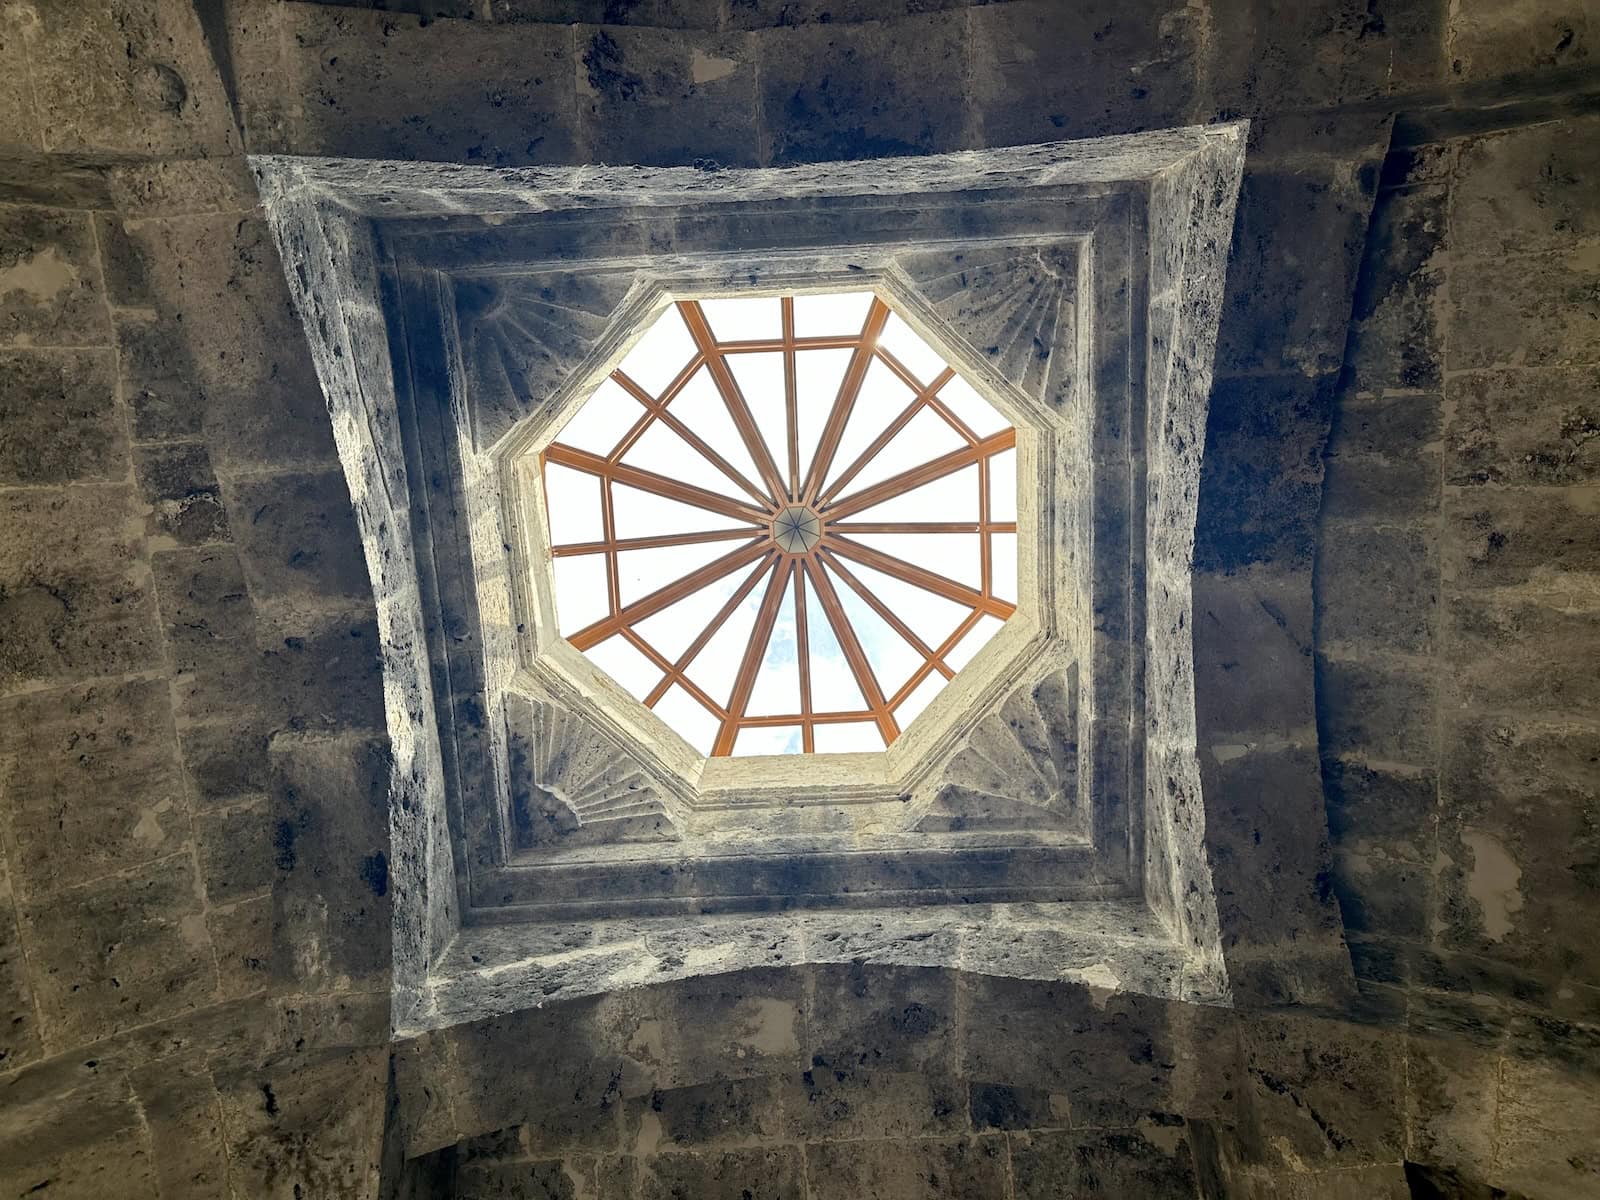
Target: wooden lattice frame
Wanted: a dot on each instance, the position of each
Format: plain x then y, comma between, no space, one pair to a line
802,525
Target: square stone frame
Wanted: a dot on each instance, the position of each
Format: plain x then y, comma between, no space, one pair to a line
391,264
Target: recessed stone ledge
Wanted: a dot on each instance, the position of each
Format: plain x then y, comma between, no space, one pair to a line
1108,946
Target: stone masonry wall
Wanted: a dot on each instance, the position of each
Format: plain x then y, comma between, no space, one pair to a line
194,774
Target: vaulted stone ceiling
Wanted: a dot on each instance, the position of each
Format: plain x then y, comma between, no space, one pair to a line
1394,622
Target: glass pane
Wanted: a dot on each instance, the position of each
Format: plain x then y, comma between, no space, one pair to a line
640,572
672,629
717,664
833,684
658,357
768,739
744,318
600,422
777,687
881,399
818,375
639,513
702,410
683,713
580,591
910,351
661,450
572,500
1003,486
1003,565
925,437
932,618
952,497
892,657
921,696
976,413
760,380
953,555
847,737
976,639
621,660
831,314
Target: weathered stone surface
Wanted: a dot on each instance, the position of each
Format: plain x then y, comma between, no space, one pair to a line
1380,589
183,1114
120,951
872,90
776,1174
181,489
1520,655
1529,189
650,96
1489,39
50,288
297,536
1253,642
19,1020
93,783
1524,427
164,399
1539,540
234,847
86,1141
75,597
1544,313
1384,710
59,420
1155,1164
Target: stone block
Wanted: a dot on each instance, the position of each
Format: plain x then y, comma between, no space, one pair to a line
964,1169
1394,425
1396,340
164,397
1528,189
763,14
733,1112
1377,587
1381,888
548,1179
19,1019
1153,1165
182,186
724,1027
311,1125
863,91
992,1106
330,838
75,596
1538,540
1549,1127
1043,72
1377,709
1387,802
121,951
1370,487
883,1018
234,847
297,536
845,1100
81,1142
59,419
21,134
1512,655
206,608
1538,310
91,780
1302,327
51,292
1524,427
1489,38
123,77
668,99
315,79
1261,483
1518,845
224,760
771,1174
224,307
242,937
1325,1093
184,1117
177,482
1252,654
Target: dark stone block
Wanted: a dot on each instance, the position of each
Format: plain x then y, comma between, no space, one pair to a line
178,483
884,1019
843,1100
774,1174
1252,655
551,1179
1514,655
181,1110
1377,709
1377,587
241,934
1370,487
164,398
1366,801
20,1041
863,91
234,846
1394,426
1524,427
59,420
1261,483
728,1112
1001,1106
1537,538
297,536
654,14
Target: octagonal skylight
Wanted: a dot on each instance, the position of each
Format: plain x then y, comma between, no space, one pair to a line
783,523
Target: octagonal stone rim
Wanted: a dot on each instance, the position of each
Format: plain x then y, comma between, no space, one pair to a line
548,662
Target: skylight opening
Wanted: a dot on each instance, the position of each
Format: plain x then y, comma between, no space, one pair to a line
783,523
